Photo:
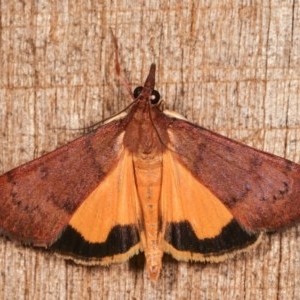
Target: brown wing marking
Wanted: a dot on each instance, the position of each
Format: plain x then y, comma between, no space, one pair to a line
197,224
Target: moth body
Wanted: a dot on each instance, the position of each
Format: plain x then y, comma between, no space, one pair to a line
147,163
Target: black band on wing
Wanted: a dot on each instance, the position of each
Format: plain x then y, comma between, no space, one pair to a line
232,237
119,241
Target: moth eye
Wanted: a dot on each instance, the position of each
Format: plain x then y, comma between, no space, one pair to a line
155,97
137,91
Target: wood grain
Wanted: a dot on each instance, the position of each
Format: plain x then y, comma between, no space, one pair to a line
228,66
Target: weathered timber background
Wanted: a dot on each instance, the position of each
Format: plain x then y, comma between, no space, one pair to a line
231,66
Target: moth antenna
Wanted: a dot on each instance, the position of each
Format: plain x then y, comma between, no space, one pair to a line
115,116
123,82
102,122
122,78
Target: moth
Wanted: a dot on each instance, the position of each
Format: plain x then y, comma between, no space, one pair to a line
149,181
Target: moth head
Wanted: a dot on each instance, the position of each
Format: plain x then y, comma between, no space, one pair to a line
147,92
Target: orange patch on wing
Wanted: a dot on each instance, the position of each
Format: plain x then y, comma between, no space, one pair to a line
113,202
183,198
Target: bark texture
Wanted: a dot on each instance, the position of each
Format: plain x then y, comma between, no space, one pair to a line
230,66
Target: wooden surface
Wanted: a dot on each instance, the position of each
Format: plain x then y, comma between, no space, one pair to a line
227,65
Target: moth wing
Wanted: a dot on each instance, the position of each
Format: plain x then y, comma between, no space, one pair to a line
261,190
196,224
104,228
39,198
